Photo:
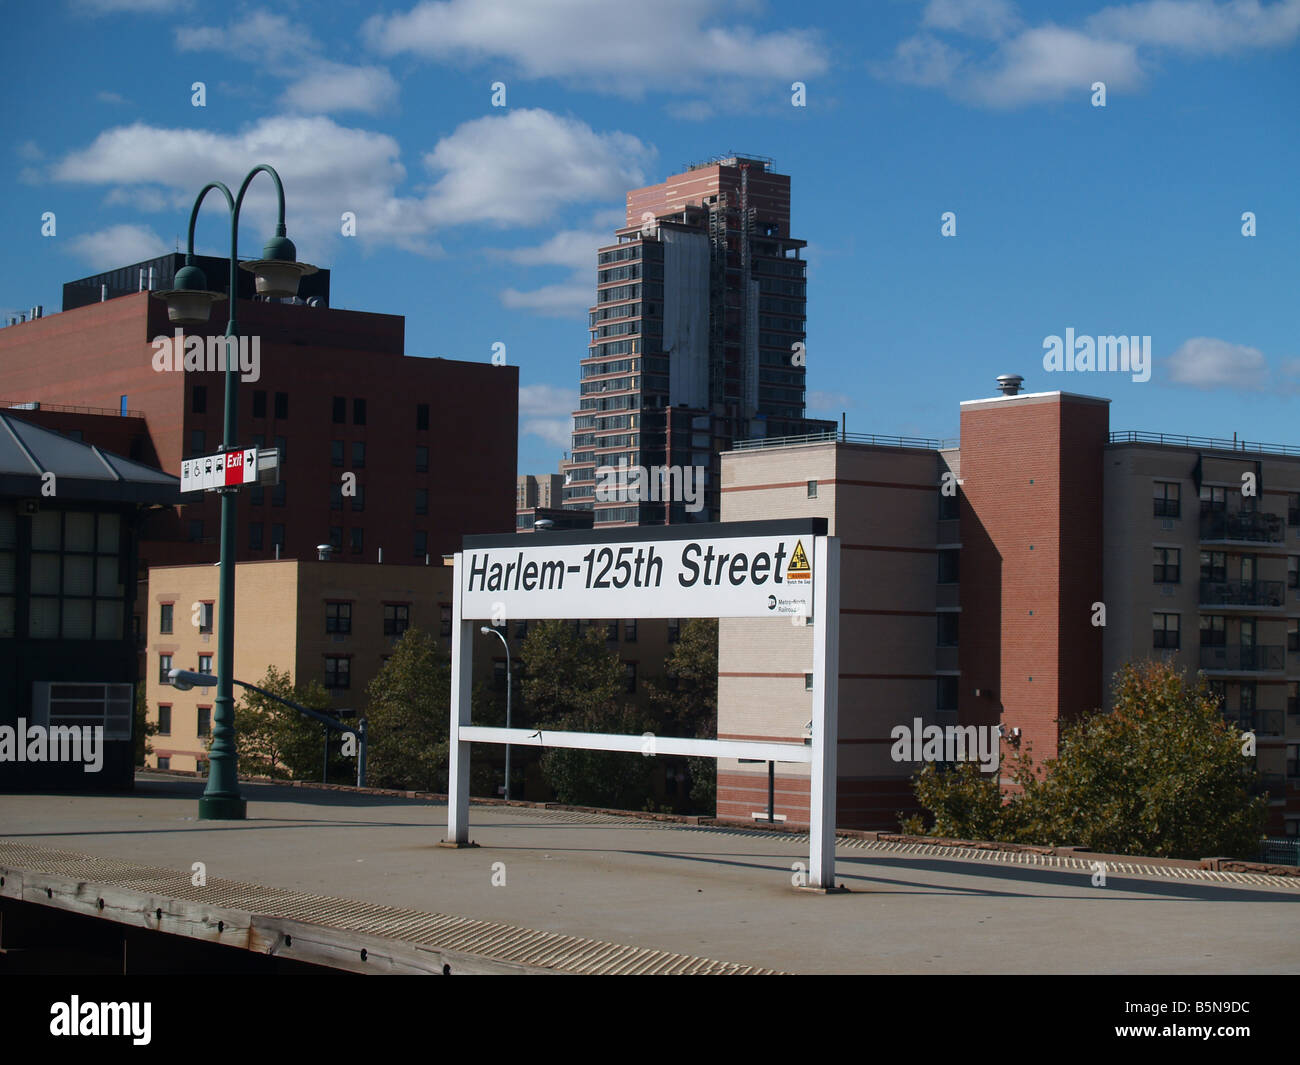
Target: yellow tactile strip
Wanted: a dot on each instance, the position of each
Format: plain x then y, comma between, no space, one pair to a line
486,939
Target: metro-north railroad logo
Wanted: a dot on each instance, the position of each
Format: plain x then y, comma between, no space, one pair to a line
799,569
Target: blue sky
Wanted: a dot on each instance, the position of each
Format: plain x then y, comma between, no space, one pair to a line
479,223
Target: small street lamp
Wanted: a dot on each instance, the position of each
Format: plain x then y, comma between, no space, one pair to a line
190,302
504,643
185,679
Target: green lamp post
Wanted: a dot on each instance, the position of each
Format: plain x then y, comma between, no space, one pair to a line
190,303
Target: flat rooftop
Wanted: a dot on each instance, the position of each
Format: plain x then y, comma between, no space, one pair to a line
675,897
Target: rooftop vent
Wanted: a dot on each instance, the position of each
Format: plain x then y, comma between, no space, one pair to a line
1009,383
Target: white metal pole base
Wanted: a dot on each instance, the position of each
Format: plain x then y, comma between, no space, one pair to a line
456,844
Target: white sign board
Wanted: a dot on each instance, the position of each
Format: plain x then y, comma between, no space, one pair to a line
219,471
720,577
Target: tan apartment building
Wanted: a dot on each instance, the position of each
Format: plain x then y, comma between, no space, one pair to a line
980,607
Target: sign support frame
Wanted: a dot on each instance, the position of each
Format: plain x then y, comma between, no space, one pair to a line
820,754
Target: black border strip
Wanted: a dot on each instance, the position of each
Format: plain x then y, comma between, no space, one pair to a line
623,534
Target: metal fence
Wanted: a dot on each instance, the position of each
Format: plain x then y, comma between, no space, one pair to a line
1284,851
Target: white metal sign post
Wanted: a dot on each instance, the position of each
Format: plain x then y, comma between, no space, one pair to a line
769,569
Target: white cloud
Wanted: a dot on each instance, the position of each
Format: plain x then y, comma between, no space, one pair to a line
136,7
574,248
978,18
1118,45
329,87
1049,62
553,301
260,37
545,411
675,45
517,168
105,97
117,245
30,150
1201,26
1208,363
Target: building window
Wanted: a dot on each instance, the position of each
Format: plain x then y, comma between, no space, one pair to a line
1168,499
674,629
948,622
444,619
205,665
611,631
338,618
948,506
422,416
421,501
205,617
1293,634
629,630
164,762
1213,630
1214,566
1213,499
255,536
199,400
278,494
1167,565
165,617
282,446
259,404
358,412
336,453
397,618
338,672
807,682
256,495
1165,631
949,566
421,459
122,408
947,694
336,537
521,629
1293,508
358,454
336,497
812,489
196,530
76,589
164,668
198,442
164,720
359,497
282,404
421,543
1293,571
357,540
277,536
1293,697
629,675
339,412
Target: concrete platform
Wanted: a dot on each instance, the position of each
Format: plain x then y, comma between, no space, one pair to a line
725,895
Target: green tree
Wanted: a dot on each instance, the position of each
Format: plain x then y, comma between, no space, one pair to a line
276,741
572,683
408,714
1162,774
143,727
686,702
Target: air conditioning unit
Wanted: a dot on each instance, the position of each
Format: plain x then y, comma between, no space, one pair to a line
1167,523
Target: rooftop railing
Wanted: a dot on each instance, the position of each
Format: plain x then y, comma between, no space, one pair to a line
1210,443
832,436
62,408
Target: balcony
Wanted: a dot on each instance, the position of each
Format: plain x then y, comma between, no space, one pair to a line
1242,593
1241,658
1243,527
1260,722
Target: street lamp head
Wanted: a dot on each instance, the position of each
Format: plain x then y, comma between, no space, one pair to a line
278,271
484,630
190,301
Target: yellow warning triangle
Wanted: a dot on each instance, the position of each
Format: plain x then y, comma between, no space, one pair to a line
799,560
